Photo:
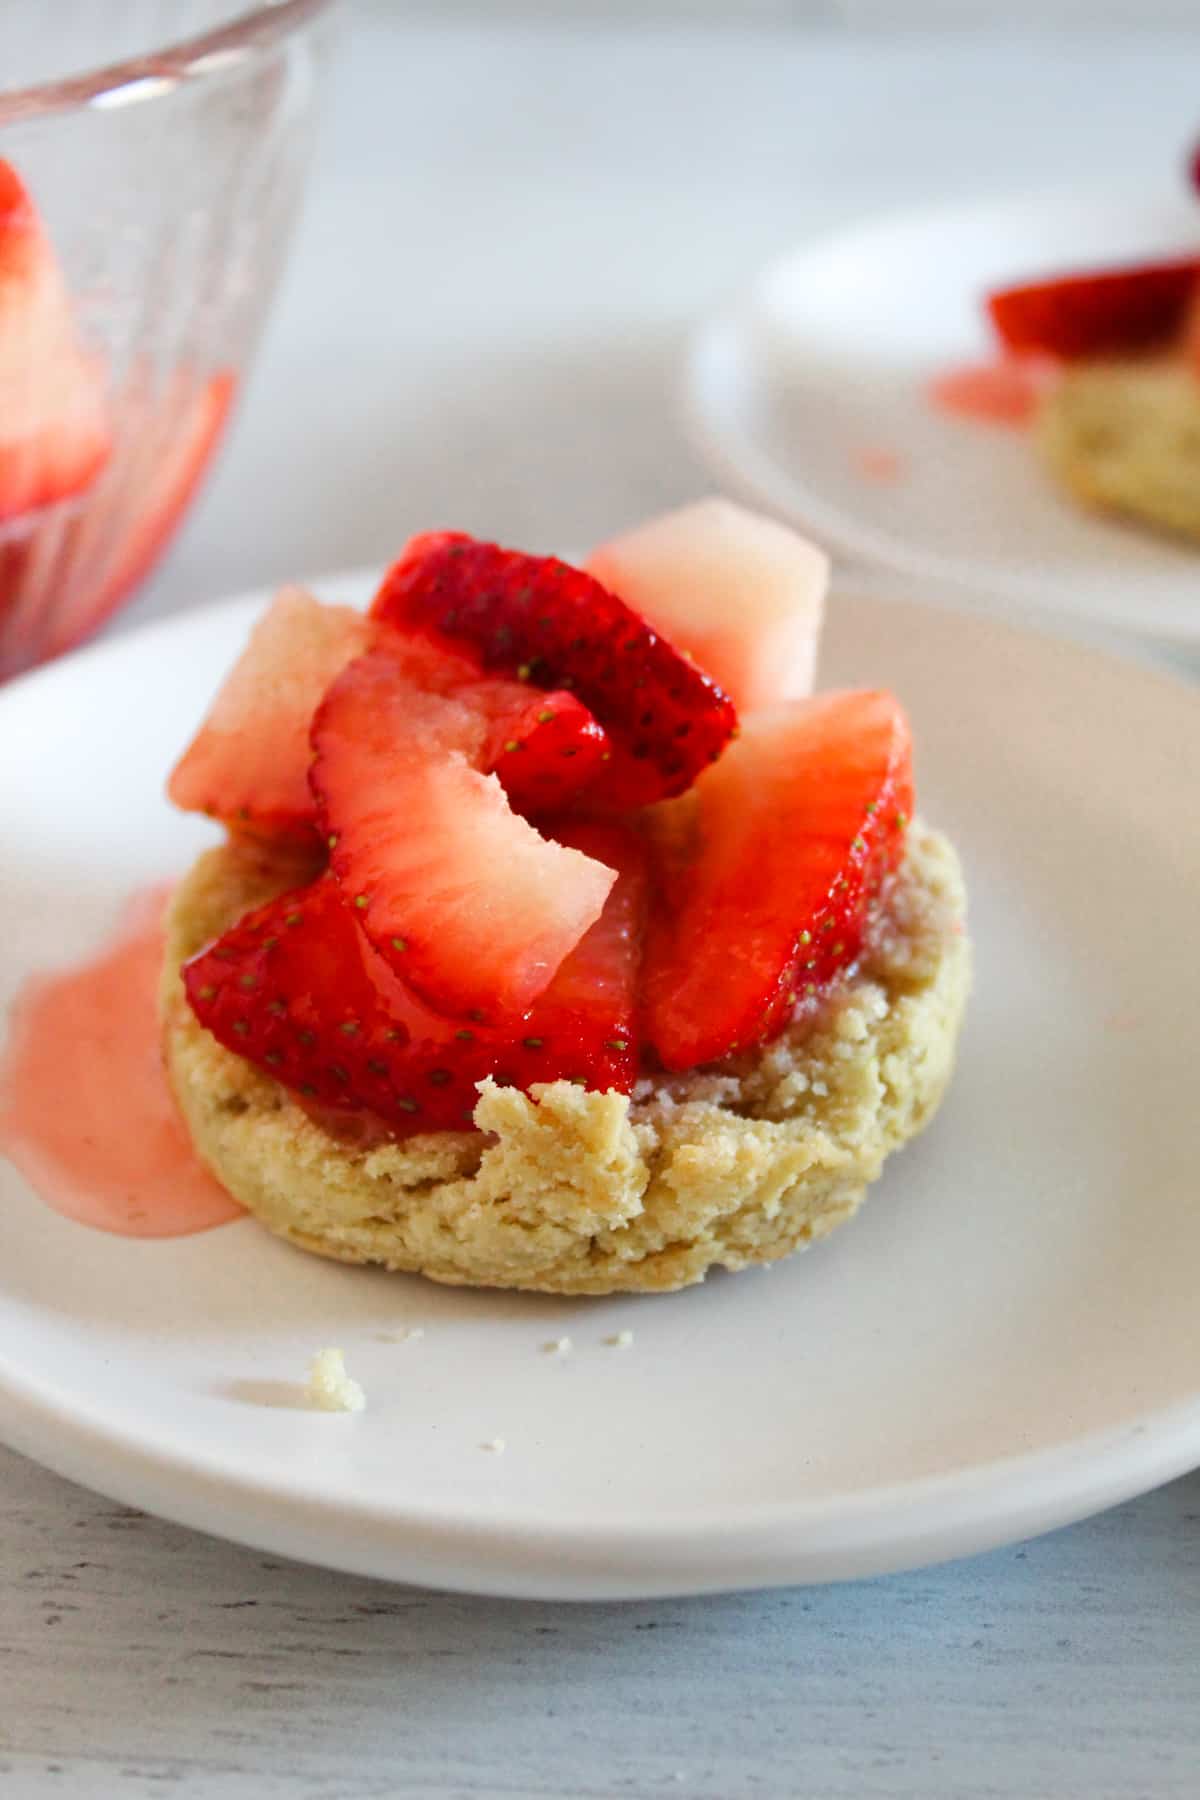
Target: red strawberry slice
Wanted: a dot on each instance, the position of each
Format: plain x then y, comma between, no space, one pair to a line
248,763
54,433
296,989
765,893
587,1017
291,988
548,623
546,748
460,894
1107,313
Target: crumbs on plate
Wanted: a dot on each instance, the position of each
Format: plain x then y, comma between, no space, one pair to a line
329,1388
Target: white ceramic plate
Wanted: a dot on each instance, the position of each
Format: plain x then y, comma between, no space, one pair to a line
828,356
1008,1336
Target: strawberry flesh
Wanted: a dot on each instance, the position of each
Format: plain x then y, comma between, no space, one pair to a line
248,763
545,748
54,432
548,623
587,1017
296,989
461,895
763,894
1108,313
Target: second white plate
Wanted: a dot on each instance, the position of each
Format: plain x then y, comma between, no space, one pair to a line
810,394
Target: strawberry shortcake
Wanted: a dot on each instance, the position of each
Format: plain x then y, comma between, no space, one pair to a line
1112,360
562,937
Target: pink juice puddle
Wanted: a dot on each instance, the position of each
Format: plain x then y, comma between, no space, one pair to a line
1005,391
875,463
85,1110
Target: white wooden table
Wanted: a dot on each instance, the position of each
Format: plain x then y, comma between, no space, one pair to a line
480,327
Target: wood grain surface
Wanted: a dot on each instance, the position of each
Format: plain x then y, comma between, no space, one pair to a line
141,1660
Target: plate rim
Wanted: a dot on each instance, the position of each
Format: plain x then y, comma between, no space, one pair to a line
473,1548
470,1551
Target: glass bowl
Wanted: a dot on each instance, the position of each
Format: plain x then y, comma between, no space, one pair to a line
145,207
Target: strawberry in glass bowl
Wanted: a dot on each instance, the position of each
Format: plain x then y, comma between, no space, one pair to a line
147,184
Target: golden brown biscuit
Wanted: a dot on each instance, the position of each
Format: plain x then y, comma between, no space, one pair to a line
1124,436
571,1192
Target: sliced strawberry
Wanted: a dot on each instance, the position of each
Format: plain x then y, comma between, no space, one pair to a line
741,594
586,1020
765,892
54,433
460,894
548,623
289,987
1106,313
546,749
248,763
296,989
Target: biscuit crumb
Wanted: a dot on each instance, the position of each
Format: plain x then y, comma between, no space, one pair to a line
329,1388
558,1347
620,1340
496,1446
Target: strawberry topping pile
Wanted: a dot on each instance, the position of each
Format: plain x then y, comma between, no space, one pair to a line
550,847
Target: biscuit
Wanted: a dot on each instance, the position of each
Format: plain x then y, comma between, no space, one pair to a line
1124,437
566,1191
